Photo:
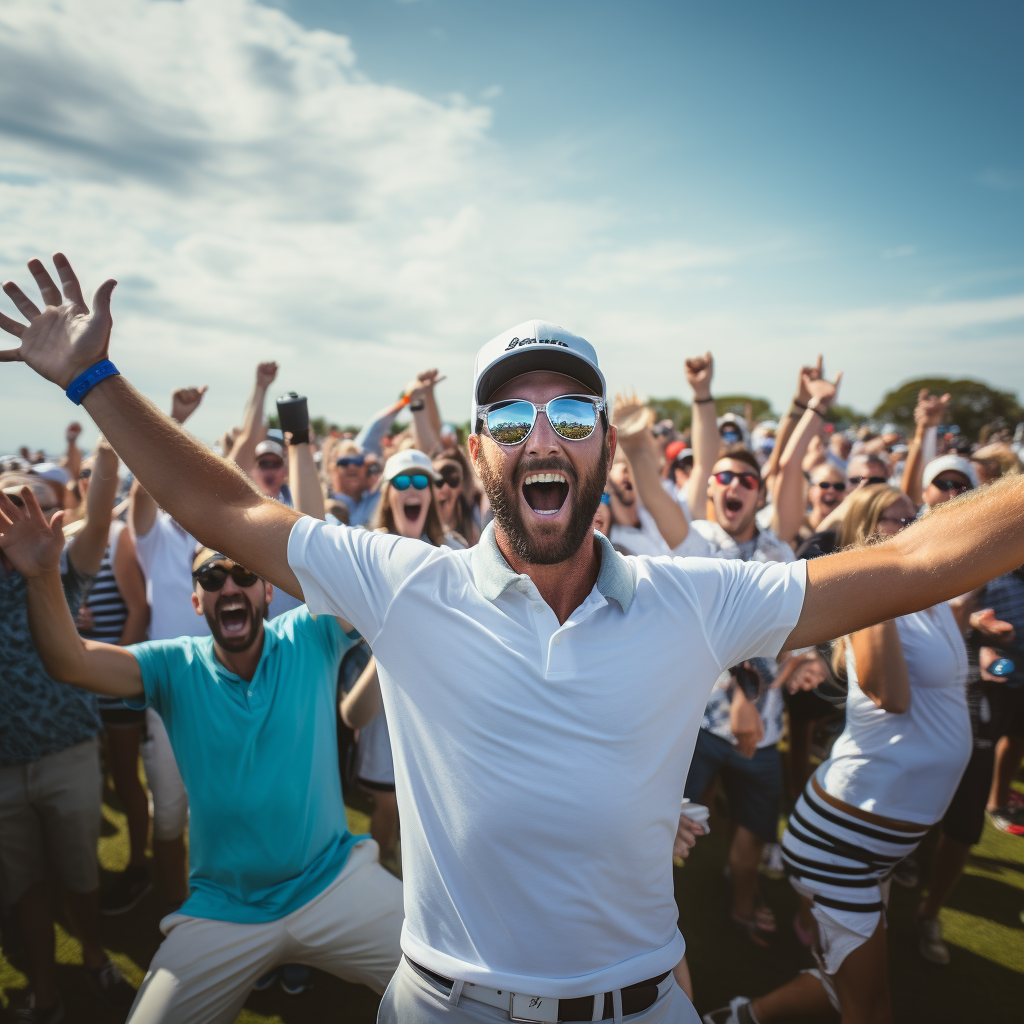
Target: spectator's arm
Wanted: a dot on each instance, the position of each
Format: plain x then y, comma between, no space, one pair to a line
362,703
633,421
142,510
86,551
243,451
303,481
788,422
928,414
73,455
425,417
881,667
131,585
371,437
704,437
790,495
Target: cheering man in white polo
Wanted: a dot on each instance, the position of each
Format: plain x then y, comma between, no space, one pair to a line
539,774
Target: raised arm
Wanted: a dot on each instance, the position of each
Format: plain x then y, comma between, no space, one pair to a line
955,548
303,481
704,437
73,455
633,421
207,496
928,414
243,451
790,494
423,406
131,585
34,548
370,438
90,542
788,422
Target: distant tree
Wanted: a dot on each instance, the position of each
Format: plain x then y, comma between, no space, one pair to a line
674,409
844,415
760,408
972,404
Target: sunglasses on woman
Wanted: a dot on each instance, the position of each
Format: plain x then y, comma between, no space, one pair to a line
951,485
351,460
827,485
403,480
751,481
858,480
211,577
451,476
573,417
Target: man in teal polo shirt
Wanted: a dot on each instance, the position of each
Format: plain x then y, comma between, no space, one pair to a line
275,876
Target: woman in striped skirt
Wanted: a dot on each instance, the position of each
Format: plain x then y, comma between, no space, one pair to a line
889,778
115,611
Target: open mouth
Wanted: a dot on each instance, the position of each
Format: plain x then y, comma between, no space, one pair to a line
545,493
733,505
412,510
233,615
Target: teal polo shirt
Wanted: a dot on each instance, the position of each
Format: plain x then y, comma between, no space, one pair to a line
260,763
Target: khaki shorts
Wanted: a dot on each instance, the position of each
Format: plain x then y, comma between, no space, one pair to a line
50,813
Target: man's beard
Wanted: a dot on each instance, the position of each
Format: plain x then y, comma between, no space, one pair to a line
240,641
585,496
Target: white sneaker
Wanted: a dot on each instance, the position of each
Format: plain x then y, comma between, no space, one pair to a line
772,865
730,1014
930,943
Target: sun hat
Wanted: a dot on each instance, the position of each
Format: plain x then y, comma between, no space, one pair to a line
409,461
270,447
533,345
946,464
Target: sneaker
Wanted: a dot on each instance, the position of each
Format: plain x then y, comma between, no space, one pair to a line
28,1014
126,891
930,941
772,865
737,1012
264,981
1007,819
906,873
296,978
112,986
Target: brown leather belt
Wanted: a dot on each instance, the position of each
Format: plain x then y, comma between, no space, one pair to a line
635,998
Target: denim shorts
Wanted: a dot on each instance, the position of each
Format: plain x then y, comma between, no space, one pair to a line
753,785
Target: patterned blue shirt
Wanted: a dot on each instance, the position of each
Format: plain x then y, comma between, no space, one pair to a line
38,715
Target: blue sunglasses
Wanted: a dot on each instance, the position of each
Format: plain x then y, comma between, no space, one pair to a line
401,482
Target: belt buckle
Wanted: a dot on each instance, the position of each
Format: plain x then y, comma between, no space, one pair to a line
521,1004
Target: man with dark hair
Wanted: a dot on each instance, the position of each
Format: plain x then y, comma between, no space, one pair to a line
539,794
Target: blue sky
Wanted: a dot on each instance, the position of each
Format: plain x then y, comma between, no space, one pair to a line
365,189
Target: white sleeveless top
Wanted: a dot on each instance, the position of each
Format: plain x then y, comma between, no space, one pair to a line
907,766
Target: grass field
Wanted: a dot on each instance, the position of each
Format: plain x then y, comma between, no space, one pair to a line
984,981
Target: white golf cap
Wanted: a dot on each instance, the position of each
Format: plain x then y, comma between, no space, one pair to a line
947,463
270,447
52,472
533,345
410,461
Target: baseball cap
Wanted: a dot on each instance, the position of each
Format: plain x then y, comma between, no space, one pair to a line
677,451
945,463
52,472
409,461
270,447
12,483
533,345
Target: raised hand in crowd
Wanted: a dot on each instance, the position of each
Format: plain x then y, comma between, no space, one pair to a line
788,423
704,438
425,415
185,401
929,412
254,428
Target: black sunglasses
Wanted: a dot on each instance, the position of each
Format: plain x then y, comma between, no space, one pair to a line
450,475
858,480
84,474
952,485
351,460
213,577
828,485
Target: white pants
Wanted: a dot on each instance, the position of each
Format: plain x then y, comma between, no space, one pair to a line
204,970
170,801
413,999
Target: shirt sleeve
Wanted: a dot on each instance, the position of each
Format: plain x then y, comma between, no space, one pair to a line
748,609
160,661
353,573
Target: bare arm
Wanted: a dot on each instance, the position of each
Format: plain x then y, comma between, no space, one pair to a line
73,456
426,420
929,412
90,542
881,666
788,422
957,547
142,510
303,480
131,585
362,703
703,433
243,452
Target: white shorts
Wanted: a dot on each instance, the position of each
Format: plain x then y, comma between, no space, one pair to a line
205,969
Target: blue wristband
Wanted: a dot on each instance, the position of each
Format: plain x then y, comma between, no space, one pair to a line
85,382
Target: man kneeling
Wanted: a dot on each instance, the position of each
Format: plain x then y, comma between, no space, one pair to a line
276,876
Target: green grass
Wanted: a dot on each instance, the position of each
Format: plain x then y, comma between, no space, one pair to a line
984,981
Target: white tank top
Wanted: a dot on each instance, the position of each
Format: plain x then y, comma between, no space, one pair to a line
907,766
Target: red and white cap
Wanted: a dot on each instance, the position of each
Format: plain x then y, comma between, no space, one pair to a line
533,345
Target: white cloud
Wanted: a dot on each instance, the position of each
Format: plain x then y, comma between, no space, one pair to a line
258,196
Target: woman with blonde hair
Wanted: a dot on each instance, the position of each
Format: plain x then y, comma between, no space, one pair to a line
889,778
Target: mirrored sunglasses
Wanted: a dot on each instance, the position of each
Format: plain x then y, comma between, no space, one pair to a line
403,480
213,577
751,481
573,417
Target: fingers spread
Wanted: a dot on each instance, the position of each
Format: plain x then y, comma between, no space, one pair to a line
47,289
11,327
72,289
101,300
25,305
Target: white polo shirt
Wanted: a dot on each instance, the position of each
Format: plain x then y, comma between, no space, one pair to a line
539,768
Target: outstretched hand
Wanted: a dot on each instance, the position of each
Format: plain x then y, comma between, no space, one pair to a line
633,421
699,372
817,387
185,401
807,373
930,410
265,374
994,630
424,382
65,338
30,543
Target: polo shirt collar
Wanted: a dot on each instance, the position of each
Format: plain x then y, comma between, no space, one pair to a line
616,579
